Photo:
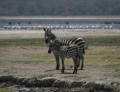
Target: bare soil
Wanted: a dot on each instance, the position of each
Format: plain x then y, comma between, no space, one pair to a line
17,61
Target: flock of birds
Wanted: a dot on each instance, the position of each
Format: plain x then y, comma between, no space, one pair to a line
37,27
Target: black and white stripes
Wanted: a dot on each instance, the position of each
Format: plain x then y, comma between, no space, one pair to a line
66,52
75,41
71,44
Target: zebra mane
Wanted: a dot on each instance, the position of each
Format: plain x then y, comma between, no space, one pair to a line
53,37
56,42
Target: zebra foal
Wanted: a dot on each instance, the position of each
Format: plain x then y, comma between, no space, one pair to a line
66,52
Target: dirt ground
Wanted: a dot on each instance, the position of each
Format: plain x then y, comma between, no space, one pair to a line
17,61
33,62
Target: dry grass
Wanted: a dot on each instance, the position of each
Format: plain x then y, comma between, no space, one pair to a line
103,56
35,62
94,55
5,90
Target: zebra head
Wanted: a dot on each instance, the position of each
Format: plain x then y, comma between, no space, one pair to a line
49,35
54,45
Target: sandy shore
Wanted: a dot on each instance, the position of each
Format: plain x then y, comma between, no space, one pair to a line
59,33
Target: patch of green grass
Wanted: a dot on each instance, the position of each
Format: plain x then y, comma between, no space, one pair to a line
102,41
115,75
102,56
41,76
114,65
77,77
80,77
29,61
39,56
5,90
10,69
22,42
90,41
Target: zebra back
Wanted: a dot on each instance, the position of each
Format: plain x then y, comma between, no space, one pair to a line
75,41
49,36
66,51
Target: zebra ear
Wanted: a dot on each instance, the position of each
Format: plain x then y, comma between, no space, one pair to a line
45,29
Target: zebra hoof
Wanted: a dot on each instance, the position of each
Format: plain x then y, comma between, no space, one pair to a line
77,66
57,68
62,71
81,68
75,71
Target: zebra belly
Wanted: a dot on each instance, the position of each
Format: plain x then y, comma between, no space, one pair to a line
70,55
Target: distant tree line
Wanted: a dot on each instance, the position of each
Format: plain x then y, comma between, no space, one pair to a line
59,7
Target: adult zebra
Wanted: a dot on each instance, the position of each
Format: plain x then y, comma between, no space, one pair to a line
71,51
48,35
74,41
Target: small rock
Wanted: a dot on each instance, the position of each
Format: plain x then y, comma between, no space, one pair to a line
77,84
24,90
7,78
46,82
108,88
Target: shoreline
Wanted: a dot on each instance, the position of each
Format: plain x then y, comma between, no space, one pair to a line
59,17
11,34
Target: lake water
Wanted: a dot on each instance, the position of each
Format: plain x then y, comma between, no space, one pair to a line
60,22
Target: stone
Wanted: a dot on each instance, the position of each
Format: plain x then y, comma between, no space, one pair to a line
7,78
77,84
46,82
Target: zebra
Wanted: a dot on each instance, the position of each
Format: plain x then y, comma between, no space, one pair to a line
71,51
49,36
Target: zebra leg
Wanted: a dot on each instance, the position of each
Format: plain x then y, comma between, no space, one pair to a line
75,65
82,64
62,70
78,62
57,61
